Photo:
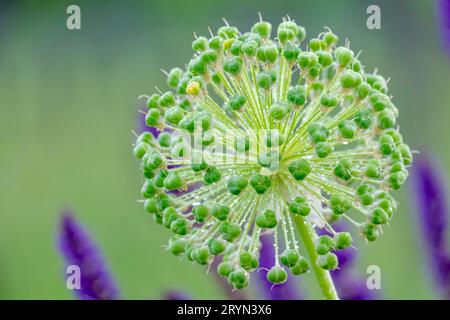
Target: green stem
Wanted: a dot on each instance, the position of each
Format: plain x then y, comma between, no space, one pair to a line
323,276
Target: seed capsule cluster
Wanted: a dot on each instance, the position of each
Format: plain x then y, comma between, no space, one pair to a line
257,132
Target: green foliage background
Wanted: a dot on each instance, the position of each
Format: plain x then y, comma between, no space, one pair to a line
68,103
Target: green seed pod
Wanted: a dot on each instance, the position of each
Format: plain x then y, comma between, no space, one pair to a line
339,204
269,159
364,119
297,95
343,169
271,53
167,99
323,149
173,115
278,111
248,261
169,215
262,28
371,232
379,216
406,154
264,80
152,102
291,52
328,100
164,201
198,162
237,102
260,183
289,257
220,212
212,175
302,266
151,205
324,244
350,79
174,77
180,226
318,132
328,261
267,219
343,240
386,144
200,44
146,137
224,269
235,48
397,179
159,178
176,246
238,279
325,58
307,59
230,231
233,65
141,149
209,56
236,184
385,119
316,44
202,256
249,48
148,189
273,138
173,181
363,90
277,275
379,101
215,43
165,139
153,117
347,129
200,212
216,246
344,56
330,38
300,206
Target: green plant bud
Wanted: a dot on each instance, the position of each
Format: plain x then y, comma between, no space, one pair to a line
159,178
174,76
339,204
215,43
297,95
300,206
343,169
316,44
269,159
278,111
169,216
249,48
235,48
167,99
179,149
236,184
148,189
173,181
153,117
328,261
202,256
330,38
307,59
350,79
264,80
150,205
364,188
324,244
200,44
300,169
318,132
209,56
188,124
230,231
271,53
373,170
347,129
148,173
291,52
163,201
284,35
145,137
152,102
323,149
277,275
225,268
216,78
315,71
173,115
165,139
179,226
325,58
248,261
379,216
262,28
238,279
371,232
242,144
395,135
363,90
379,102
289,257
220,212
227,32
216,246
182,85
233,65
301,33
397,167
367,199
260,183
386,144
141,149
237,102
328,100
157,217
267,219
176,246
363,119
344,56
302,266
385,119
342,240
406,153
204,119
212,175
198,162
397,179
200,212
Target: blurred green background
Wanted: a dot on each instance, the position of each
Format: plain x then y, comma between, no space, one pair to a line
68,102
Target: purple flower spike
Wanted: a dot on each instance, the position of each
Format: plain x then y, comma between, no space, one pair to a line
432,208
286,291
444,17
77,248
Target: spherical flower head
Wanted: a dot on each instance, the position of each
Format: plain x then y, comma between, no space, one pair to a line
270,131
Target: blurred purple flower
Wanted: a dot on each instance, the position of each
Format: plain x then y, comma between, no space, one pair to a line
430,193
286,291
77,248
176,295
443,7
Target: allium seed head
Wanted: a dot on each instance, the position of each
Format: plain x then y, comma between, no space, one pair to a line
264,132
